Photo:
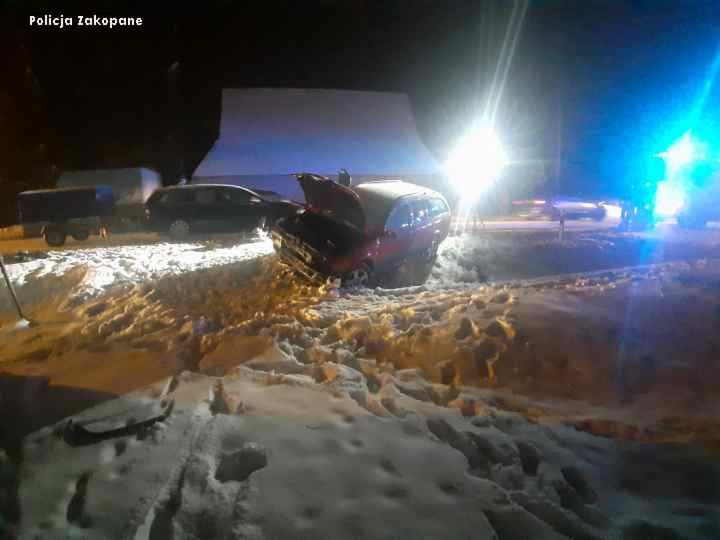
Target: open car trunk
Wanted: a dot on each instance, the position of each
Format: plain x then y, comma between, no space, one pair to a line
338,203
322,233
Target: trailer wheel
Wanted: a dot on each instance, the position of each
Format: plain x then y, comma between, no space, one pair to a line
54,237
81,235
179,229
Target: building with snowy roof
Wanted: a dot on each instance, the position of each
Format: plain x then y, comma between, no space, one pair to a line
266,134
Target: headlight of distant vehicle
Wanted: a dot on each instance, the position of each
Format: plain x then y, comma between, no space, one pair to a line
669,199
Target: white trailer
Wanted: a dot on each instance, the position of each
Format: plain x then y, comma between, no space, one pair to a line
131,187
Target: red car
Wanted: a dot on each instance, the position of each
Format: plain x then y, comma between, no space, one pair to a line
364,233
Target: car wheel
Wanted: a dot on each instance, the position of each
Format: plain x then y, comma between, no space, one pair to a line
179,229
422,270
430,254
359,277
81,236
54,237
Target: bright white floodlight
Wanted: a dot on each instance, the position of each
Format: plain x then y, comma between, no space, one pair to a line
476,162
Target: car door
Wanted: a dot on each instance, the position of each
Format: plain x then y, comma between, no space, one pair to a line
395,243
439,220
422,225
240,208
179,204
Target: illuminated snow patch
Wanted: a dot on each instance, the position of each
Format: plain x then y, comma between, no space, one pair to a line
117,265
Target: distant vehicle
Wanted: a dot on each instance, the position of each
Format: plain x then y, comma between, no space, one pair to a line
182,210
555,207
364,233
684,180
59,213
131,187
530,208
701,200
576,208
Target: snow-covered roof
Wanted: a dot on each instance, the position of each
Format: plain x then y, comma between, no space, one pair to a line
131,185
273,131
392,189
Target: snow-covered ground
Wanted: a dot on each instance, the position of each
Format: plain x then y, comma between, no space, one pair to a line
92,271
578,406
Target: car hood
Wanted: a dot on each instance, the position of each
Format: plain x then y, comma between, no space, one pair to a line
329,198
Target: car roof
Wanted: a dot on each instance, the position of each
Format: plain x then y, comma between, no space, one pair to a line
66,190
200,186
391,189
378,198
195,187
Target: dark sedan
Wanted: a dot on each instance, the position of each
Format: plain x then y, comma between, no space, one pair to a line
212,208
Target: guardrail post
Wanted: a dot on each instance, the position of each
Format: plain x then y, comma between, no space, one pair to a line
12,289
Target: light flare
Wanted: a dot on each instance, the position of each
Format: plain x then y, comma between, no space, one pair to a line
669,199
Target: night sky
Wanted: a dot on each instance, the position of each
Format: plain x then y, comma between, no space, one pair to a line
595,86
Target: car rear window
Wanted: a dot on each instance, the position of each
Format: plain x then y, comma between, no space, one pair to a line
237,196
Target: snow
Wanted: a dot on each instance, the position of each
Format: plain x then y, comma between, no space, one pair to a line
280,457
493,400
106,267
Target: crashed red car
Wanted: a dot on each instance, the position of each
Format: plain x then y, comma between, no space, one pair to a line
362,234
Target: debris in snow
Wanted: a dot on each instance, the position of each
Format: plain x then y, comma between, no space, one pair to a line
239,465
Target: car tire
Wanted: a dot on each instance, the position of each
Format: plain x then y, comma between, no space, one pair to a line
179,229
430,254
426,261
54,237
81,236
359,277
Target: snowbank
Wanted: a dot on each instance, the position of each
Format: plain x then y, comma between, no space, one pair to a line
87,273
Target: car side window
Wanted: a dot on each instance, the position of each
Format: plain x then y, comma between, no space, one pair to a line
161,198
205,196
234,196
177,196
400,219
420,213
437,208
